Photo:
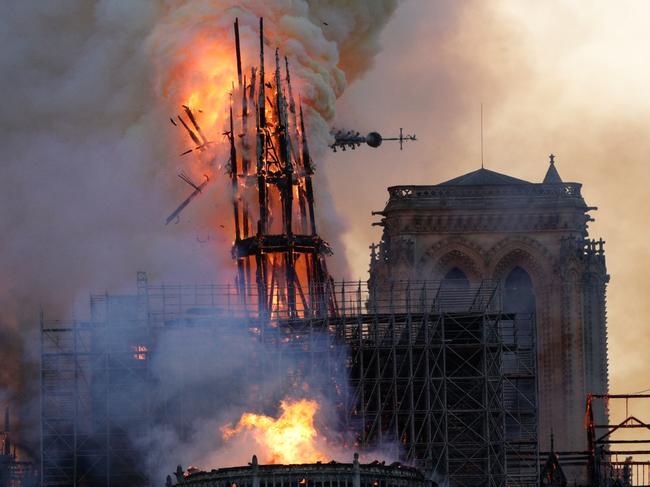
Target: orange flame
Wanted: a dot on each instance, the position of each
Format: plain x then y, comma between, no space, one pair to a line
201,77
289,439
140,352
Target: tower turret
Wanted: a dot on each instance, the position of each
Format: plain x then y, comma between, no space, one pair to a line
552,176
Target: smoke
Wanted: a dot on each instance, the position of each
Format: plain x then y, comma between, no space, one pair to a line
207,377
204,377
328,44
90,161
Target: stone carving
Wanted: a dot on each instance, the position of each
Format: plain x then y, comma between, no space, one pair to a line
464,223
536,253
406,193
457,258
452,252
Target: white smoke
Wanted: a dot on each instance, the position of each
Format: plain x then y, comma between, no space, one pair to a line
90,161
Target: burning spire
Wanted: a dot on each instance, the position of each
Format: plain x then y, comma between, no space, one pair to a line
280,247
280,257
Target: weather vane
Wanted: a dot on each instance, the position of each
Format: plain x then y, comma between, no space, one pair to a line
351,140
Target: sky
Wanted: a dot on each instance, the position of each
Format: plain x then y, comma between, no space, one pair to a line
564,77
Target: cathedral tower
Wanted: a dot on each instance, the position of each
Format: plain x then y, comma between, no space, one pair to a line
533,239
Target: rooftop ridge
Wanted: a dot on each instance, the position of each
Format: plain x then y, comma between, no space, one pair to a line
483,177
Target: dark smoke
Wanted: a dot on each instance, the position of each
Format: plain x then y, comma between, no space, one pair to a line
89,164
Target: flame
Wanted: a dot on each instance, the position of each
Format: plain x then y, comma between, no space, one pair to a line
201,78
140,352
288,439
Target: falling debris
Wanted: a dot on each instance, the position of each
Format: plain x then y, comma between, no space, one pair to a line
197,190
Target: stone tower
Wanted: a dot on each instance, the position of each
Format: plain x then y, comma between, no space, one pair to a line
533,239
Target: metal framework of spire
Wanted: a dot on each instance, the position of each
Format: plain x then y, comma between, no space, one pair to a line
277,248
280,256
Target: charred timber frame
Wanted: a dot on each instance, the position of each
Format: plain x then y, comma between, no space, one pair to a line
284,189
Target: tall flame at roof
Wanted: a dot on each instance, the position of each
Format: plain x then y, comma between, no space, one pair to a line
290,438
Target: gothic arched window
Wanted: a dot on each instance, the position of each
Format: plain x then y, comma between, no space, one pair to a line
519,294
517,330
453,290
455,279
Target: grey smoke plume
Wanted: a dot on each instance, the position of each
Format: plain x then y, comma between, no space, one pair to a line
89,159
218,381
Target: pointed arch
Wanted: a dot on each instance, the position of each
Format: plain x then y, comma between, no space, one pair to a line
518,292
455,279
522,252
454,253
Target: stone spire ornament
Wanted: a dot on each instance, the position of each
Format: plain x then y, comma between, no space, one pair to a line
552,176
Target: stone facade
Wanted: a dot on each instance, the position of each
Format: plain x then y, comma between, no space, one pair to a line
487,224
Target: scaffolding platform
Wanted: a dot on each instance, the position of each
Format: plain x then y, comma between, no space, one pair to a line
439,376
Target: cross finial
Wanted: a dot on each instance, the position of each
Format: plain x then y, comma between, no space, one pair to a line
373,251
552,158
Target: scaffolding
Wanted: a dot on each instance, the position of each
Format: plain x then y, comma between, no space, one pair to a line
440,377
618,452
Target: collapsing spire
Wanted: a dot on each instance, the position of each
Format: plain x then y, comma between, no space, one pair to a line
280,257
552,176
